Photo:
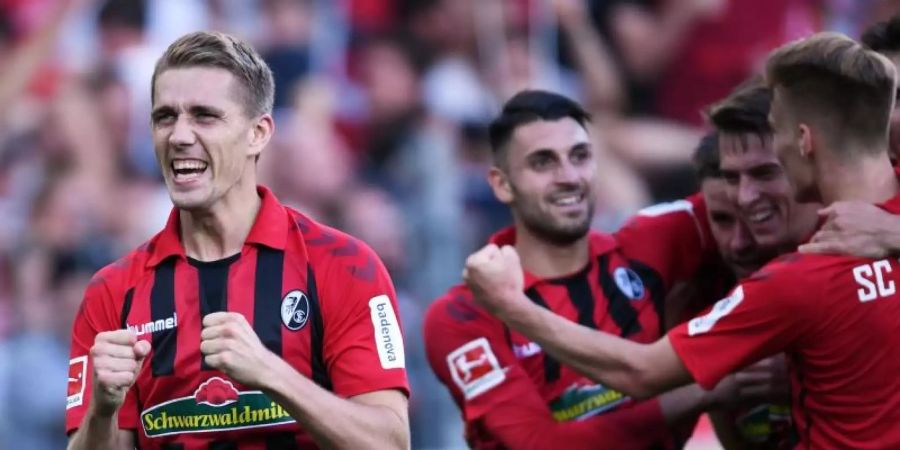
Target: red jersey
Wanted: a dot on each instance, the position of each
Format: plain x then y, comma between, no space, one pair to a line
316,297
512,395
838,319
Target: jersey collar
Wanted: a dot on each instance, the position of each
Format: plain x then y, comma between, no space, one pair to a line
599,244
269,229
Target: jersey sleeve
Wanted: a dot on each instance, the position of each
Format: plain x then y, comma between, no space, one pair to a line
98,313
673,238
470,354
363,339
762,316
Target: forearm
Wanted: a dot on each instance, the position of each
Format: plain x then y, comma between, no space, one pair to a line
334,422
602,80
684,403
529,427
604,358
97,432
891,235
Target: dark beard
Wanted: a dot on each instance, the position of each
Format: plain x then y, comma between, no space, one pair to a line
557,235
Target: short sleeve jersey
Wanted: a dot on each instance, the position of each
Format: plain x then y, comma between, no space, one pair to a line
485,364
838,319
318,298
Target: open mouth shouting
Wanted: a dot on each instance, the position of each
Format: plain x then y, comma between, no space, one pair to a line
188,171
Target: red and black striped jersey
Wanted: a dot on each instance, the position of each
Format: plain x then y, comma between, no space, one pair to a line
318,298
513,395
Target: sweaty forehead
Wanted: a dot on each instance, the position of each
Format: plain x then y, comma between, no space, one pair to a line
189,86
557,135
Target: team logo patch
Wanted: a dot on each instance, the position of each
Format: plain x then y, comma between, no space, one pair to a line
215,406
294,310
77,381
629,283
474,368
388,339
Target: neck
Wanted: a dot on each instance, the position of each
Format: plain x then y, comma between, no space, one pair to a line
870,179
547,260
220,231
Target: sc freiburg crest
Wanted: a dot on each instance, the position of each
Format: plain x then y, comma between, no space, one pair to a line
295,310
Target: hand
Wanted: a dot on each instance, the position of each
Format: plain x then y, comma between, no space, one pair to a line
765,381
229,344
494,274
570,11
117,357
853,228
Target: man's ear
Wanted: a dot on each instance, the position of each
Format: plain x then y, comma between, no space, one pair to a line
260,134
805,140
499,181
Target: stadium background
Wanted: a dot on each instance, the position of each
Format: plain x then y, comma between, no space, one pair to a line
381,108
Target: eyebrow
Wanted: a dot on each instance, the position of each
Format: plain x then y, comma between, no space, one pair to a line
206,109
194,110
581,146
541,152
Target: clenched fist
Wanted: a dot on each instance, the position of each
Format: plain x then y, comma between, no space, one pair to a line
117,357
494,274
229,344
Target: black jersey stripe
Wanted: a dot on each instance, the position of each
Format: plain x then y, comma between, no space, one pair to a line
126,308
582,298
223,445
267,300
162,307
281,441
316,333
618,305
213,285
551,365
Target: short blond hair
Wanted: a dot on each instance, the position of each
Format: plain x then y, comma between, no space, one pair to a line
220,50
830,77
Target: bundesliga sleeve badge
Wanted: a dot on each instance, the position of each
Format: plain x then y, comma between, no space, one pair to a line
475,368
77,381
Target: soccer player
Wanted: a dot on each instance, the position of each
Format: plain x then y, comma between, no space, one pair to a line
242,324
858,228
837,317
512,394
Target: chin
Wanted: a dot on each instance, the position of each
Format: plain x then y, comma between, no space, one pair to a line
189,202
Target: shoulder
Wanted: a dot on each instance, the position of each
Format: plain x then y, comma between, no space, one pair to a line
455,306
333,252
107,287
667,221
800,270
123,272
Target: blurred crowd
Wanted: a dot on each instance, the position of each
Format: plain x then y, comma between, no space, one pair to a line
381,115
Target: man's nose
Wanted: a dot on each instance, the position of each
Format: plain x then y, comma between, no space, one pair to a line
182,133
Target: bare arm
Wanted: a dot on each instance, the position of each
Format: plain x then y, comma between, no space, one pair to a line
373,420
602,80
100,432
855,228
638,370
649,40
26,60
377,419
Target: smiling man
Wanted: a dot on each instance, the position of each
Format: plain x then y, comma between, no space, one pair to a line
510,392
837,317
242,324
